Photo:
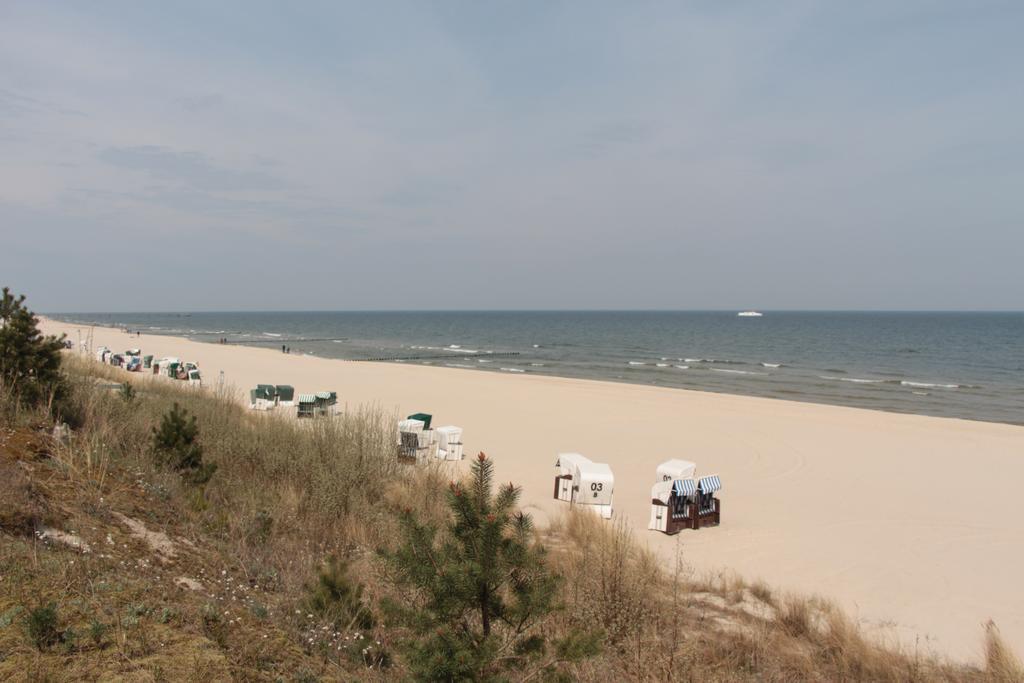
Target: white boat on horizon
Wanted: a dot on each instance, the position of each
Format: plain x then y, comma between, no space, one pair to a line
749,314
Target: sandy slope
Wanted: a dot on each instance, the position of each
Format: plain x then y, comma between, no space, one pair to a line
915,524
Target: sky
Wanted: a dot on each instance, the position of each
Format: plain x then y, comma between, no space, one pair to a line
250,155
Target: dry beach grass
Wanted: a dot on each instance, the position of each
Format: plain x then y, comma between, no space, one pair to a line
154,579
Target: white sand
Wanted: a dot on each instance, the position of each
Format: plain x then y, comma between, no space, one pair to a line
914,524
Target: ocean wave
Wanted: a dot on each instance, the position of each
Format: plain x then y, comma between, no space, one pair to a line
271,334
738,372
537,365
483,360
771,365
458,365
929,385
683,367
662,365
513,370
693,360
637,362
536,346
855,380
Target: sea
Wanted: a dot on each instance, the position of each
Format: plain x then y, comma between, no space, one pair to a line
961,365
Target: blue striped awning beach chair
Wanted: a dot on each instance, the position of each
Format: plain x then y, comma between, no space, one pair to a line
684,487
710,483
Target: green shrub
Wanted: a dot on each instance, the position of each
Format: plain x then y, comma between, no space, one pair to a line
338,599
481,591
41,626
176,446
97,632
29,362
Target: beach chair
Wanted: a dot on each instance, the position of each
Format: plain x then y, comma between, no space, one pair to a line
672,505
307,405
285,395
449,442
409,446
709,507
585,483
422,417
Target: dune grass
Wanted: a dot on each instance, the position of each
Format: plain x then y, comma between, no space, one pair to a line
295,506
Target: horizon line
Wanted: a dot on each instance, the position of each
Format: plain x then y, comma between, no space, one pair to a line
542,310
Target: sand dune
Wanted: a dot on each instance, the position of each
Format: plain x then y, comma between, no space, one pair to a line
914,524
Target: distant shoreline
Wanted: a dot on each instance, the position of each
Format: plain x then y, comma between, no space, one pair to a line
871,370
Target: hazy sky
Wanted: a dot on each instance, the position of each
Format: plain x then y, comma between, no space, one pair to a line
248,155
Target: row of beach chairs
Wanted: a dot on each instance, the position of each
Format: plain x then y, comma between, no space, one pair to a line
274,396
679,499
132,360
418,442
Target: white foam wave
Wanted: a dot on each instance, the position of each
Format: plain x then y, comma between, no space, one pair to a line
483,360
683,367
855,380
271,334
513,370
662,365
693,360
458,365
537,365
929,385
637,362
737,372
771,365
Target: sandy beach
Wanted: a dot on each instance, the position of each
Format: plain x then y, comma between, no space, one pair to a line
914,524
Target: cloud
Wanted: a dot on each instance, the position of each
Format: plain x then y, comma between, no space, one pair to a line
191,169
696,154
16,104
199,103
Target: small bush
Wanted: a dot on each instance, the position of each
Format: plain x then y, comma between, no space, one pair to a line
29,362
97,632
260,528
127,392
41,626
176,446
479,593
337,598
